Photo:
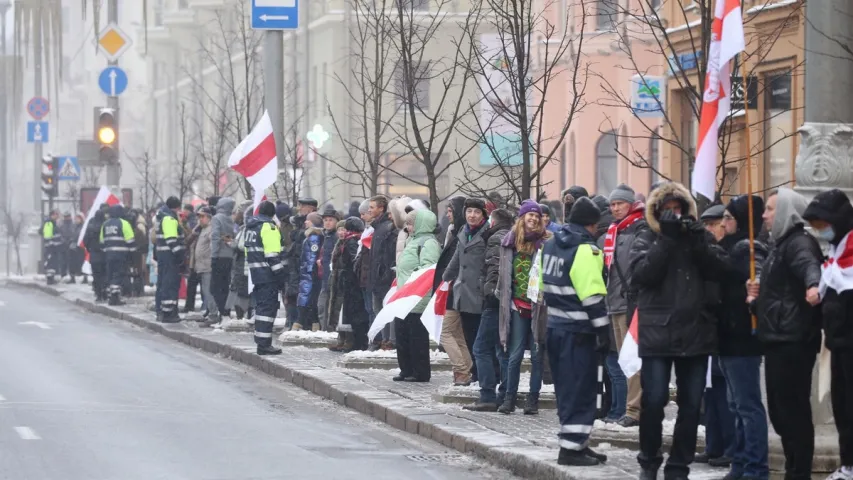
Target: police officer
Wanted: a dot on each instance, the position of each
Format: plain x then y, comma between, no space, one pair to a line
97,258
52,247
263,249
118,241
170,258
574,289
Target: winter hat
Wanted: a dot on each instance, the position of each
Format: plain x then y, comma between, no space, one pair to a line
833,207
623,193
546,210
354,224
315,219
309,202
739,208
205,211
575,192
479,204
173,203
584,212
502,217
283,210
329,211
601,202
189,207
364,207
213,201
417,204
266,209
353,209
529,206
341,224
714,212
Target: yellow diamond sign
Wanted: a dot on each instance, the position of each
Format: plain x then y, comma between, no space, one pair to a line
113,42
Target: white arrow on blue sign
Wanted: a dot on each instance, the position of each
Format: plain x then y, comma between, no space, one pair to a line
113,81
37,132
275,14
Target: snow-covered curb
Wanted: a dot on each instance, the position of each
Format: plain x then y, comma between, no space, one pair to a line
364,355
306,336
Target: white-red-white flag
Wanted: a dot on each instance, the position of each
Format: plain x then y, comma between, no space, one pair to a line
255,158
727,41
433,316
104,197
404,299
629,356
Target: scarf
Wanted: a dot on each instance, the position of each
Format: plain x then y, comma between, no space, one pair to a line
614,229
471,231
837,270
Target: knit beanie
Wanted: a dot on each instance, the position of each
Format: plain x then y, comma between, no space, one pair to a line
282,211
576,192
315,219
477,203
354,224
266,209
584,212
364,207
173,203
529,206
623,193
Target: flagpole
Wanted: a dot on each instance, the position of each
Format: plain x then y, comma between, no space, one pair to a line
745,81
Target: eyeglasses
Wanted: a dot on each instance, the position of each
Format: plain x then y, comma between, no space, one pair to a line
728,217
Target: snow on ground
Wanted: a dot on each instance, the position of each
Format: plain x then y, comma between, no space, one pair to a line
306,335
474,388
668,427
385,354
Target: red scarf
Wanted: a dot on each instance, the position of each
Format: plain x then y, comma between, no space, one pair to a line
637,212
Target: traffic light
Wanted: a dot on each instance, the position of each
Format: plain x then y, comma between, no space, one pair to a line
49,175
106,133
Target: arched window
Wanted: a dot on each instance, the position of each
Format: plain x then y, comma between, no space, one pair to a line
606,164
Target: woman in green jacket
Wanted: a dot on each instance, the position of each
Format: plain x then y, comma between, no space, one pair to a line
422,250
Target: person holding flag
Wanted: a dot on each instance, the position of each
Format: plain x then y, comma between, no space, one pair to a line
117,241
263,251
170,258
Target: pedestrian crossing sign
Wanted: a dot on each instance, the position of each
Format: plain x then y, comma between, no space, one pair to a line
69,168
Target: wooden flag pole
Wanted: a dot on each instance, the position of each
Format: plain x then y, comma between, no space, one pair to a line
745,83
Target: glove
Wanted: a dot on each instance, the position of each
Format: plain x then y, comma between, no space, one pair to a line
670,225
696,229
602,339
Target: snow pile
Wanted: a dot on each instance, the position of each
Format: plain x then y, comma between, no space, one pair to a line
668,427
306,335
435,355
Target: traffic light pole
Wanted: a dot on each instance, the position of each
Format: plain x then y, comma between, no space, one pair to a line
37,81
114,167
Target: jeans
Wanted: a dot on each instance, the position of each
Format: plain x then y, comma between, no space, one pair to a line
618,387
719,419
220,282
520,338
207,295
743,378
470,326
689,381
487,347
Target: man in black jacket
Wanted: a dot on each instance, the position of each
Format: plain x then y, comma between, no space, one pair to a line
740,350
293,257
789,327
97,258
672,265
383,253
831,217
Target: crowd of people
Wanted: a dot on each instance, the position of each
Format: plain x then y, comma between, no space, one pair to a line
568,292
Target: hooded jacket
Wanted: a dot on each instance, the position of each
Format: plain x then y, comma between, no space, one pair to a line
383,255
621,298
502,224
456,206
675,280
421,251
735,327
330,238
834,207
791,268
221,226
293,256
308,265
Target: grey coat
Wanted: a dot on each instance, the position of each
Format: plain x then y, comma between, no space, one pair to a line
201,259
466,272
222,225
618,297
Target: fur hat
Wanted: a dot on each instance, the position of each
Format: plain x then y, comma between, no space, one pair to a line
477,203
354,224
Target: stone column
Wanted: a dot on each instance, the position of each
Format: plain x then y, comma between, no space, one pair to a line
825,158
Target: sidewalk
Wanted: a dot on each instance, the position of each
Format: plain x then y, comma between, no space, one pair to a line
526,445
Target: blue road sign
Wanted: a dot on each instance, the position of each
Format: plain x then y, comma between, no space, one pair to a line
113,81
275,14
69,168
37,132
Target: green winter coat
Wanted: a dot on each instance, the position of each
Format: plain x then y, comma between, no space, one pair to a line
422,250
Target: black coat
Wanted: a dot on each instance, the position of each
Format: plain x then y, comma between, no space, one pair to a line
347,279
293,258
676,283
792,267
736,336
92,240
383,255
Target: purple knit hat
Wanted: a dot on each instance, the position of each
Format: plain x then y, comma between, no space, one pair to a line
529,206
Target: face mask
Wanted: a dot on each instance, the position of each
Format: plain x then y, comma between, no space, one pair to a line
827,234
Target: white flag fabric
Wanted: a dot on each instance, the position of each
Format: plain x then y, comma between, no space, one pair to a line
403,300
255,158
104,197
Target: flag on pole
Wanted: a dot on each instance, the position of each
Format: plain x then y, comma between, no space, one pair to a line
433,316
104,196
727,40
629,356
404,299
255,158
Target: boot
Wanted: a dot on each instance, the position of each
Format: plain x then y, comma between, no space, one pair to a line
51,281
339,346
592,453
239,312
509,405
349,342
461,380
296,327
100,299
212,320
575,458
481,407
171,317
116,301
315,327
269,350
531,405
85,279
648,474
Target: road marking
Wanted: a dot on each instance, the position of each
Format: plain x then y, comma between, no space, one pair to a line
41,325
27,433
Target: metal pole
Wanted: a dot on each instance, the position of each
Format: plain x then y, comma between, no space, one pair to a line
37,80
274,87
4,113
114,168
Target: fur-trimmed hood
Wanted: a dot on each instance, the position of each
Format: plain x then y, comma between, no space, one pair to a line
312,230
397,209
665,192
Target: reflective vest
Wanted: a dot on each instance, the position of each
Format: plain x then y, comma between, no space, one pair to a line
51,239
573,281
117,237
170,236
263,250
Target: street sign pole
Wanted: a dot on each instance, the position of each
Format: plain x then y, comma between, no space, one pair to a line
274,87
114,168
37,80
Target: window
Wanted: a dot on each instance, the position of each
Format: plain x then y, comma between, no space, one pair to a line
606,164
605,18
654,157
419,84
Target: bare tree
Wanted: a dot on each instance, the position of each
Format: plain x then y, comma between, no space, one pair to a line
435,44
517,67
147,175
643,32
185,167
14,225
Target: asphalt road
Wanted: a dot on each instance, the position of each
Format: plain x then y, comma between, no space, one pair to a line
83,397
